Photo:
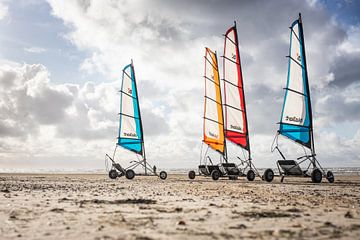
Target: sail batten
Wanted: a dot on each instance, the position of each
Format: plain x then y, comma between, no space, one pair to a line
130,128
296,118
213,118
236,129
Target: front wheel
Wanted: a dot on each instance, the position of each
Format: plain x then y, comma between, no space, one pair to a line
250,175
215,175
316,176
192,175
163,175
113,174
130,174
268,175
330,177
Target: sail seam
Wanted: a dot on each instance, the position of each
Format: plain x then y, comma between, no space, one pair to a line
230,60
127,75
289,89
295,34
296,62
211,63
213,120
126,115
237,86
121,91
212,100
226,36
226,105
212,81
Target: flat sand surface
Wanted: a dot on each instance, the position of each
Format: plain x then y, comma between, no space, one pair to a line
95,207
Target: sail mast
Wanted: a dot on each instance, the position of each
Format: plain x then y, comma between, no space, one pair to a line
243,92
222,112
308,86
141,126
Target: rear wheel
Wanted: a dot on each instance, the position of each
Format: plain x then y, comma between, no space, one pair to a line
215,175
163,175
316,176
250,175
130,174
191,175
268,175
113,174
330,177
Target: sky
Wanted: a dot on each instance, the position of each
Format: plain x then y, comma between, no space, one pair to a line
61,63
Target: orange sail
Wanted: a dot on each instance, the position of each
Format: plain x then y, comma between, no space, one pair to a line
213,114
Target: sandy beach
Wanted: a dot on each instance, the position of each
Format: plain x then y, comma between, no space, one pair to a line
95,207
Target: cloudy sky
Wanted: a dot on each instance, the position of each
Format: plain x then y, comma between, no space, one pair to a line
61,62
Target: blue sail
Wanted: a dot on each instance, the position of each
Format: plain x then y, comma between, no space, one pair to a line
296,116
130,128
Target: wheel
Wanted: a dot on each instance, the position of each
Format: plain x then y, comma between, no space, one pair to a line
268,175
316,176
233,177
163,175
215,175
192,175
113,174
130,174
330,177
250,175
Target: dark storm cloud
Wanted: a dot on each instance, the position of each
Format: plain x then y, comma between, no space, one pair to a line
337,106
346,70
154,125
263,106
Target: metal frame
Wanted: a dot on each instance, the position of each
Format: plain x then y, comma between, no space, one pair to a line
313,162
247,162
149,169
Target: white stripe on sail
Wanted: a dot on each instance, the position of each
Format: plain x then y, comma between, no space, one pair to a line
294,106
128,124
234,118
211,112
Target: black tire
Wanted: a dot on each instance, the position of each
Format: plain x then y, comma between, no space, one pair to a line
130,174
113,174
233,177
163,175
316,176
250,175
192,174
268,175
330,176
215,175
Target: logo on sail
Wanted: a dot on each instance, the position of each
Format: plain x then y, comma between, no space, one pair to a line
236,127
298,57
212,77
233,56
294,119
134,135
129,90
213,135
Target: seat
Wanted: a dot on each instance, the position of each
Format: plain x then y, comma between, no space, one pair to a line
203,170
231,168
211,168
290,167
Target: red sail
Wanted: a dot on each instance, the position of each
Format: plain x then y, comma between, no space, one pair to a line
234,100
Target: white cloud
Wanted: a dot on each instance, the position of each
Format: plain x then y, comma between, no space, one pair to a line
35,50
4,10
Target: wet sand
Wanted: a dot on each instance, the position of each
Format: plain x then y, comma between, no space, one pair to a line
95,207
